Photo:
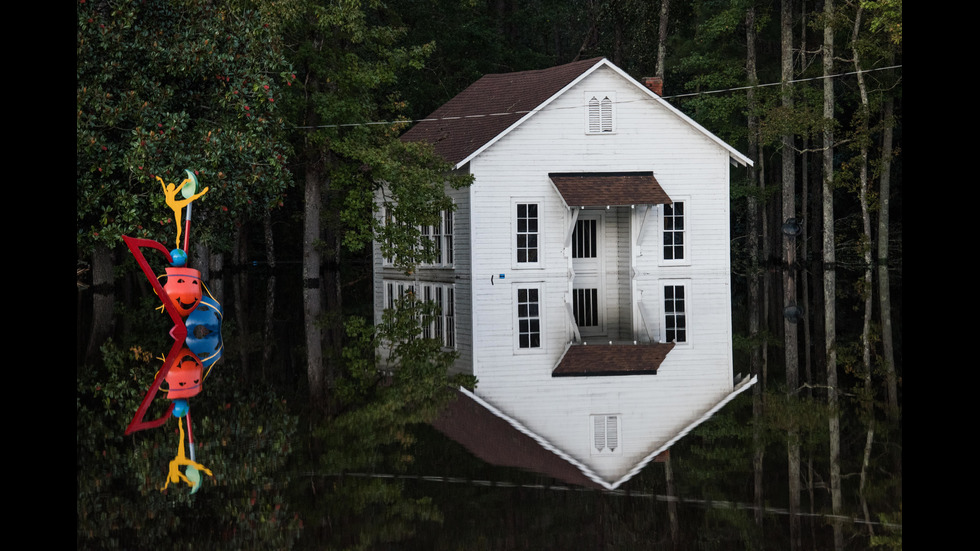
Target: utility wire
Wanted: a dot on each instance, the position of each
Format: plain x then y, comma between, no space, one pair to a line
510,113
709,503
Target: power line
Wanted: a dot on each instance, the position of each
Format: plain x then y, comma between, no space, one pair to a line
711,504
511,113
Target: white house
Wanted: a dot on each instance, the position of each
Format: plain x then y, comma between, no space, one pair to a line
584,277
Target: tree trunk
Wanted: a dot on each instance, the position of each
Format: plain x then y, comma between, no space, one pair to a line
864,132
216,279
789,267
884,284
200,263
754,304
240,287
333,325
830,274
270,291
103,299
662,40
312,301
671,503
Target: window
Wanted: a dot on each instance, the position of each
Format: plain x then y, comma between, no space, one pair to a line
584,239
447,237
440,323
427,326
600,117
674,231
606,435
585,304
675,313
439,234
434,234
388,219
527,233
528,318
450,317
395,291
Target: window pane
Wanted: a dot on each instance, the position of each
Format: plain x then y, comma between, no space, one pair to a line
675,318
527,232
528,319
673,231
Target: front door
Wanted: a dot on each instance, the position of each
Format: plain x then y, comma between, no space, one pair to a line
587,287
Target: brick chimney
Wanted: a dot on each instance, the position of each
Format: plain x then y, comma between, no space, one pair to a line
656,84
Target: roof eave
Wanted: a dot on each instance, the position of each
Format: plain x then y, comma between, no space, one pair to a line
739,388
735,157
534,111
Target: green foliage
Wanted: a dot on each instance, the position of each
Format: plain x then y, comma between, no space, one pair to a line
168,85
468,39
410,183
886,16
375,428
382,399
242,434
889,537
349,57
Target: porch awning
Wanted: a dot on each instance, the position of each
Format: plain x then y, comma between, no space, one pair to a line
585,360
602,189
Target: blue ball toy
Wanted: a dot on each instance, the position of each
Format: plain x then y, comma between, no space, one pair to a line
180,408
179,257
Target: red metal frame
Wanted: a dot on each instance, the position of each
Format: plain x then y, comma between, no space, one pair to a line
178,332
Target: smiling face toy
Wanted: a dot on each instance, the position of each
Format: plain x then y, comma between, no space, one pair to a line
184,289
185,377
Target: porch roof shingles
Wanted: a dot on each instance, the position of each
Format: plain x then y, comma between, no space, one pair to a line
489,106
612,359
601,189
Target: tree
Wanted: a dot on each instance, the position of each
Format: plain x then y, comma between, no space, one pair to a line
244,434
755,307
829,269
348,57
791,352
169,85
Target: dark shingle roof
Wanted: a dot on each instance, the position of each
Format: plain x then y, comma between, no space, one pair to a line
497,442
612,359
588,189
489,106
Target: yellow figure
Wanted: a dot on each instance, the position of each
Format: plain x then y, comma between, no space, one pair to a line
170,192
175,475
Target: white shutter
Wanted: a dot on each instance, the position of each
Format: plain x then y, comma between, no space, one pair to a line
612,433
606,435
605,115
594,118
598,433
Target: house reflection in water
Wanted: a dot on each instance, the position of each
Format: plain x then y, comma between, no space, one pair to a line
584,277
501,440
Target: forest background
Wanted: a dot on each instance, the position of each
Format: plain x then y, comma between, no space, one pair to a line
289,111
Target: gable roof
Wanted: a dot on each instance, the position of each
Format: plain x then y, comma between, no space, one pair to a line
495,104
489,106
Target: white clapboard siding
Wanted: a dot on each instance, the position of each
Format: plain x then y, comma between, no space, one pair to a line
690,166
686,164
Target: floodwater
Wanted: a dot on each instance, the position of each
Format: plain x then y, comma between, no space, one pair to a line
723,486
